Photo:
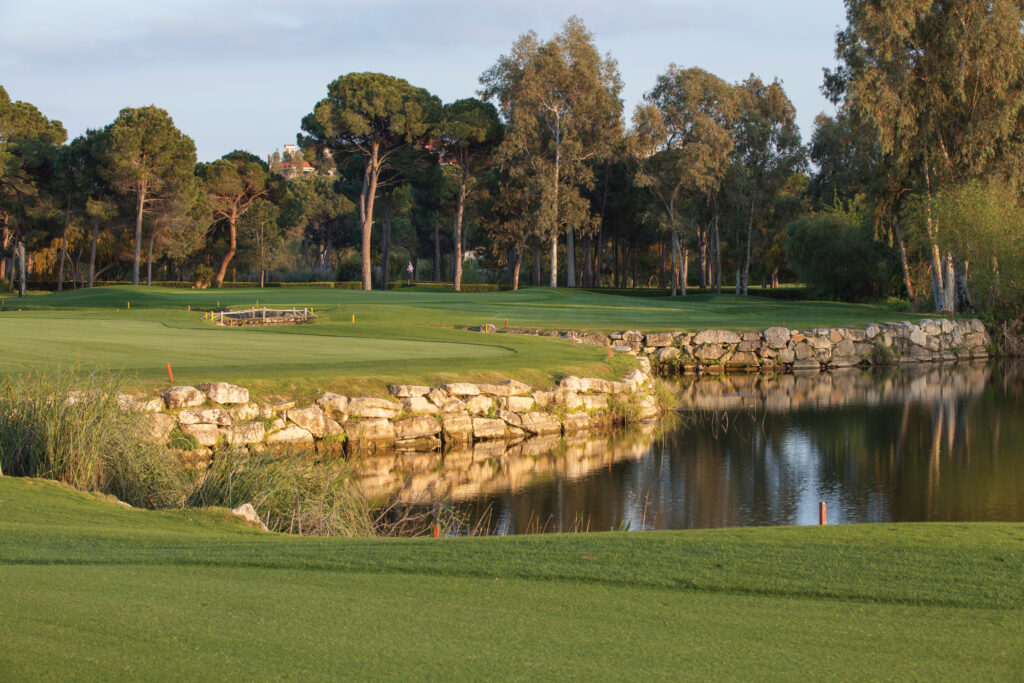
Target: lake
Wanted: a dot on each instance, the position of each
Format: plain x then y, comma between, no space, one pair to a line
930,443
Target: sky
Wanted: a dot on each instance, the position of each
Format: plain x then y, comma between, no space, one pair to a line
241,74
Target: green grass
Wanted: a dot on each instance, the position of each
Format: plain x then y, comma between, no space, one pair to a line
94,590
398,336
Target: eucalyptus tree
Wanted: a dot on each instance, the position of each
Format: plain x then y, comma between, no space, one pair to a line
767,150
470,131
148,159
941,85
370,116
560,101
681,143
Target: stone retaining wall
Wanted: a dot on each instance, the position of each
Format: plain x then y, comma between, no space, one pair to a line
217,415
781,349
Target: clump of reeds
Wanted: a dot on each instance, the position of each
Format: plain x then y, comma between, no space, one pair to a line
291,493
69,427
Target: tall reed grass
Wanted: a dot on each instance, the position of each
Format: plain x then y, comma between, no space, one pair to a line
69,427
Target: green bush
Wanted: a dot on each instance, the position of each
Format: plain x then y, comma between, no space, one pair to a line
836,256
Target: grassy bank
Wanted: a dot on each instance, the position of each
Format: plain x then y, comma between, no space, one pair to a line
92,589
400,336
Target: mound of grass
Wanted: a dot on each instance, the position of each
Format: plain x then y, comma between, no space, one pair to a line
94,590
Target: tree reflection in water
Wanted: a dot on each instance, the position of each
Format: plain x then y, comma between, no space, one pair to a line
931,443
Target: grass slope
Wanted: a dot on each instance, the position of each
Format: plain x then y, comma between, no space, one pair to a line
397,336
95,590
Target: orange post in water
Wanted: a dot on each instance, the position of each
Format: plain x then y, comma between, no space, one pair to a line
822,516
170,374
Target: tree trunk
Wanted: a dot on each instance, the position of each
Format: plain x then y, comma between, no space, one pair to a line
588,261
138,234
903,260
92,250
599,255
570,257
948,285
64,246
385,241
554,261
149,259
437,248
19,250
675,262
457,236
371,173
746,260
718,256
232,247
938,285
963,294
537,266
554,228
685,258
702,256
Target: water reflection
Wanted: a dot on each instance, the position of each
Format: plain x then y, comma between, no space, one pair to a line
935,443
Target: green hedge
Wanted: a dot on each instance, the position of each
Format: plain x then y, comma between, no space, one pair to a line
52,286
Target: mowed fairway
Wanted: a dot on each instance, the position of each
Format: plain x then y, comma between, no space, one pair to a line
95,591
397,335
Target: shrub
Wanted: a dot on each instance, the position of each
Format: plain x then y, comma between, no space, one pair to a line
836,256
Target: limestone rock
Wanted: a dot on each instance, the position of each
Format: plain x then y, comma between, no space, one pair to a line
245,412
845,348
569,400
658,339
160,426
716,337
572,383
806,365
438,397
540,424
517,404
290,435
222,392
595,401
214,416
407,390
204,434
709,352
416,427
786,355
183,397
315,421
280,407
457,427
508,388
461,389
417,405
248,433
776,337
372,408
544,399
335,405
918,336
248,513
751,336
649,408
487,428
478,405
872,331
374,429
803,351
575,423
742,359
667,354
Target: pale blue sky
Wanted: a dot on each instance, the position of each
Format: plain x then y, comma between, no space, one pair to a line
241,74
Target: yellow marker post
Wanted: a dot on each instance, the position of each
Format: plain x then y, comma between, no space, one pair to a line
353,316
129,305
189,308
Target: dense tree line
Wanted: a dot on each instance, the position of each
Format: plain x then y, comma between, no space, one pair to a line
910,189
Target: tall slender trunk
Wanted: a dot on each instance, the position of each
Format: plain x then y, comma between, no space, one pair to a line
570,257
599,255
938,288
588,261
371,173
149,259
898,234
137,257
5,240
437,247
963,294
64,245
536,274
554,228
385,241
948,285
92,250
459,211
702,256
19,250
232,247
746,260
718,255
685,270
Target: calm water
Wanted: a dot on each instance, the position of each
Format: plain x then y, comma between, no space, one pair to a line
936,444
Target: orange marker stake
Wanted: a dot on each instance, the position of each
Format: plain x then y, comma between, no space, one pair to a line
506,323
822,517
169,373
437,531
609,354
